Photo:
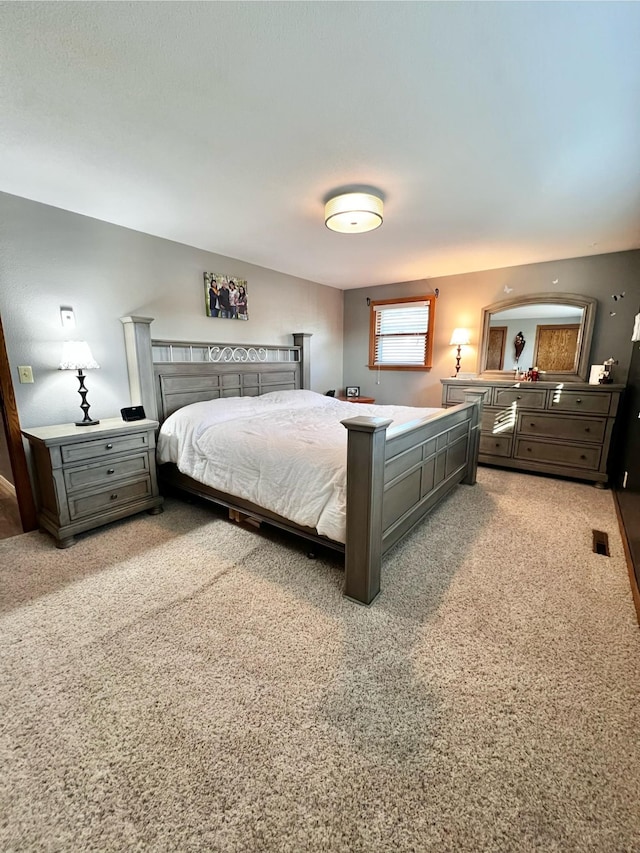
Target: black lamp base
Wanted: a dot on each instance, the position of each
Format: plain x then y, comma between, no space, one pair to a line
455,376
82,390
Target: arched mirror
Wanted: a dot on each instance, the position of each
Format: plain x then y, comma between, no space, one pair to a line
550,331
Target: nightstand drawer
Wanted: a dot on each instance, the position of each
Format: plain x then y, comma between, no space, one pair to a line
99,448
564,455
567,427
109,498
101,473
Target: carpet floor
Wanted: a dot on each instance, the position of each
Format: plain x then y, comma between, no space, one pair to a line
181,683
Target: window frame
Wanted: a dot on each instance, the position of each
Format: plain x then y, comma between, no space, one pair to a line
428,355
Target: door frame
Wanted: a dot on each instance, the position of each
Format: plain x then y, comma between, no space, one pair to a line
17,456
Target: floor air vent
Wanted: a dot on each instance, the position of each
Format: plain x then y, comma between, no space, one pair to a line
600,543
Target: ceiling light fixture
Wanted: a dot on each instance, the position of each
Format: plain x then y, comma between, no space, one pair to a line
353,213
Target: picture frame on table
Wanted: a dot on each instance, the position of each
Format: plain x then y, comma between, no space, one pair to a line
352,391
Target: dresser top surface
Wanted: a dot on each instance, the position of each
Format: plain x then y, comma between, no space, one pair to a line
511,383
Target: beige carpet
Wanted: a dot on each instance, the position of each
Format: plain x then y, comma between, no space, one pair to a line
178,683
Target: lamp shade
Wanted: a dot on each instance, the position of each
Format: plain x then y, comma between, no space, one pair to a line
76,355
353,213
460,338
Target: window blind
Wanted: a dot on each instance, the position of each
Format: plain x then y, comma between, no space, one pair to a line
401,333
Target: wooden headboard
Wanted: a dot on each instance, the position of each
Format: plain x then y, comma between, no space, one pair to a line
166,375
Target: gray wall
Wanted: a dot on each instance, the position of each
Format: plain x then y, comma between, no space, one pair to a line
460,303
49,258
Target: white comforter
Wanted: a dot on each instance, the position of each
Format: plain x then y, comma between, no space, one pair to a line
285,451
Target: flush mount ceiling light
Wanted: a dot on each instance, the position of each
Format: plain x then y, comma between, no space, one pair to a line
353,213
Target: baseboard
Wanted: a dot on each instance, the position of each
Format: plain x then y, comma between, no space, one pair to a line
7,488
635,592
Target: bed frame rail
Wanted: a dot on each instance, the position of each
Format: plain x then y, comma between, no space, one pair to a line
402,473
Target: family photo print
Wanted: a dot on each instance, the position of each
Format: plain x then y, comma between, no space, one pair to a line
225,297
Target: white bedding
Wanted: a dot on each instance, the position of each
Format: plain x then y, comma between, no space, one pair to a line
285,451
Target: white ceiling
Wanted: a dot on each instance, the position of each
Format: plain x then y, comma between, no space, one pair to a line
500,133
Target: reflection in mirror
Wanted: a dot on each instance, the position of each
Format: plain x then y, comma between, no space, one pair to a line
550,331
543,336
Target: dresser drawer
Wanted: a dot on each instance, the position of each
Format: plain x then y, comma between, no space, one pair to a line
530,398
99,474
557,426
562,455
495,445
100,448
596,403
455,393
498,421
109,498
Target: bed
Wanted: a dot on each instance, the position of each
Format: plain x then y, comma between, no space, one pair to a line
387,466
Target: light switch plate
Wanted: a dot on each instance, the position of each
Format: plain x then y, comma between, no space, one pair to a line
25,374
67,317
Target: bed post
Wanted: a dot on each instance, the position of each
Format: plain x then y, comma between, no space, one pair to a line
137,342
302,340
474,436
365,486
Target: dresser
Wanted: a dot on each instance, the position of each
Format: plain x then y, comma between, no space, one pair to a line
89,476
556,428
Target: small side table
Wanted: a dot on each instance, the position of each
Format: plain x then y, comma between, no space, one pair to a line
357,399
89,476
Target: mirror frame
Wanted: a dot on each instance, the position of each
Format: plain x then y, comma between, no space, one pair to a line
583,349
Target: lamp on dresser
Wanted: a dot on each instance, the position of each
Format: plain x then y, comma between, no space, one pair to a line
76,355
460,338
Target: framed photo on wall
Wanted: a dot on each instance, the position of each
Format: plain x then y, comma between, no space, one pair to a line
225,296
352,391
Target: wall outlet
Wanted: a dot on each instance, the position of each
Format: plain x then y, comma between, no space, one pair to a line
25,374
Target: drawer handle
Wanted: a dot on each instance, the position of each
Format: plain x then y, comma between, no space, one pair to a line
518,397
529,449
497,444
109,447
587,429
532,425
578,400
113,496
111,470
582,456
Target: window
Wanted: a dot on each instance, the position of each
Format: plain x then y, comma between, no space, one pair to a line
401,333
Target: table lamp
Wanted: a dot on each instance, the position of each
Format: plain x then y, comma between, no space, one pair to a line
76,355
459,338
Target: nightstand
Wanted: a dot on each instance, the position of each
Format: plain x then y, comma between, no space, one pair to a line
357,399
89,476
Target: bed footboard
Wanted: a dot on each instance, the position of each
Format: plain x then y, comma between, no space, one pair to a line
394,479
